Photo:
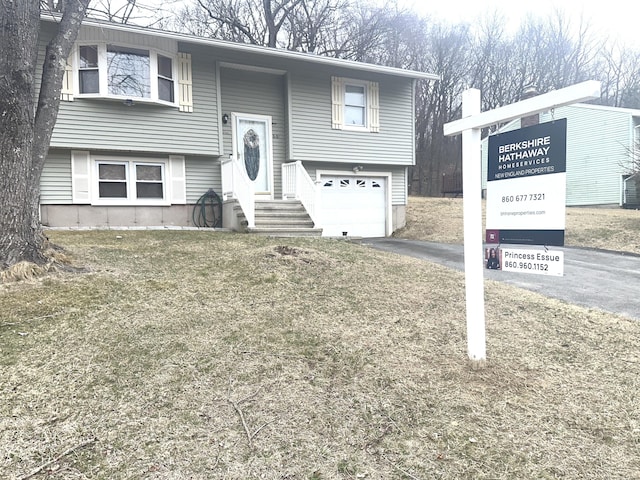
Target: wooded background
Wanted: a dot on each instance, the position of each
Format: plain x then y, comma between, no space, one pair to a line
544,53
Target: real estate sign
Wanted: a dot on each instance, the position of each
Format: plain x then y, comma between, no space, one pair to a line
526,185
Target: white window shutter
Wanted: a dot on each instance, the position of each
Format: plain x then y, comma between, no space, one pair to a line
177,179
373,104
66,94
185,83
337,103
80,177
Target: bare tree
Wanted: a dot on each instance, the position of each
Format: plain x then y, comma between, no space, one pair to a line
259,22
310,26
26,124
448,55
619,71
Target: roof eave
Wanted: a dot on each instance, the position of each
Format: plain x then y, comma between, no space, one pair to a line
243,47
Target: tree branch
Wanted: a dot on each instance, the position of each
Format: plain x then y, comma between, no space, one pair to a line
59,457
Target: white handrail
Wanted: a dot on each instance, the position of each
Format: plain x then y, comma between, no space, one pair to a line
296,183
236,184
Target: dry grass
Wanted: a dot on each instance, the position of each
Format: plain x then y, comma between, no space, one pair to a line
440,220
21,271
190,355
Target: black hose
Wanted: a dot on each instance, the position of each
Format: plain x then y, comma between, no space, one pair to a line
207,212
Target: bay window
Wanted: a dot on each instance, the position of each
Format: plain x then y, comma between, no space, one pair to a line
128,72
88,69
166,87
116,71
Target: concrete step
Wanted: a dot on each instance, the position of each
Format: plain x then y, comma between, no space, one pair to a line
279,218
284,222
276,207
286,232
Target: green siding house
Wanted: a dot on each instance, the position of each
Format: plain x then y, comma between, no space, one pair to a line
600,144
150,121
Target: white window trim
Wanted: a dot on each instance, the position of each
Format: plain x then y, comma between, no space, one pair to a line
131,200
103,77
371,108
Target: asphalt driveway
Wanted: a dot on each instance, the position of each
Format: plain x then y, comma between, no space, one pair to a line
608,281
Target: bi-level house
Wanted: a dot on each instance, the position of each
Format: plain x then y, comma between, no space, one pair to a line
150,121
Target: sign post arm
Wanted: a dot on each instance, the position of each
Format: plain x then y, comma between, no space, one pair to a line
472,211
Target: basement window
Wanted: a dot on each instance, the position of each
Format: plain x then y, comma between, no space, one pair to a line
130,183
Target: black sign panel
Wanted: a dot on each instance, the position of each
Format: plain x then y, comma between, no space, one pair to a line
535,150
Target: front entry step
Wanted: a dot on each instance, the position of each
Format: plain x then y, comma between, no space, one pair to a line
286,232
279,218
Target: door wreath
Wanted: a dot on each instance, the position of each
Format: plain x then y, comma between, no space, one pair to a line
252,153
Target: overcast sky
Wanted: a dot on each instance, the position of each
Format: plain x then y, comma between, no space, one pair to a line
610,18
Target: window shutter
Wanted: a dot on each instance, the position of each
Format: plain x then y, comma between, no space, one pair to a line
337,103
66,94
177,179
373,103
185,85
80,177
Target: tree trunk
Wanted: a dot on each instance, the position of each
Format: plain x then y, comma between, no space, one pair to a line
25,130
20,234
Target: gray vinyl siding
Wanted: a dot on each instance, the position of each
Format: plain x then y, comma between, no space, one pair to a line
55,181
399,186
313,139
108,124
201,175
597,142
398,176
257,93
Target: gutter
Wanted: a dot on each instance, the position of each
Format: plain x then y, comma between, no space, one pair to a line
256,49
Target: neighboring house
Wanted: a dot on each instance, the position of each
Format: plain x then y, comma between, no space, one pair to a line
150,121
600,142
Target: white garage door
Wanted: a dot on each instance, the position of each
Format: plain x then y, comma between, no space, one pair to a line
355,205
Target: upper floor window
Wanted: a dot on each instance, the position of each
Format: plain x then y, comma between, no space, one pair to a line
88,69
128,72
355,104
109,70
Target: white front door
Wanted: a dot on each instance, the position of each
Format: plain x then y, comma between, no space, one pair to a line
252,143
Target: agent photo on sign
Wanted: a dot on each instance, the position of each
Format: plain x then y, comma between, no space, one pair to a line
493,258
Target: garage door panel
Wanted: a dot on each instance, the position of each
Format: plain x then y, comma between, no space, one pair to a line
355,205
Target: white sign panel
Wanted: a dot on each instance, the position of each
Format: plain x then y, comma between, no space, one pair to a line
541,262
536,203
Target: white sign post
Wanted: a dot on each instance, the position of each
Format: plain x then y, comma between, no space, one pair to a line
470,125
